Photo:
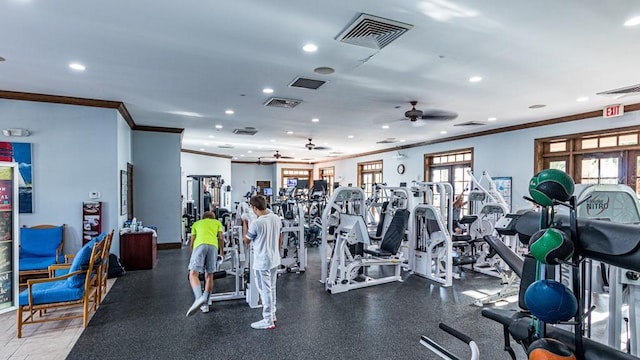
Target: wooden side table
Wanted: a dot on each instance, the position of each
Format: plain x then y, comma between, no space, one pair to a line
138,250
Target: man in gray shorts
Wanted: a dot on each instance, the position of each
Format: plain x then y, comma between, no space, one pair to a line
207,242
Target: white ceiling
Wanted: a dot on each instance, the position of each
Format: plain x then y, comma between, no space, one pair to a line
163,57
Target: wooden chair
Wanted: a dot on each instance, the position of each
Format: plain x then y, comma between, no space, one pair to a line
101,279
40,246
78,287
104,267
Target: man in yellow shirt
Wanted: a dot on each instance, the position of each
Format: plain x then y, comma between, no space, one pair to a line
206,243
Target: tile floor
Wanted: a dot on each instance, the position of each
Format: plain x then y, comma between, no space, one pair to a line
51,340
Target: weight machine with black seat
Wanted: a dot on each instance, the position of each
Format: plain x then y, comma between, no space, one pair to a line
348,262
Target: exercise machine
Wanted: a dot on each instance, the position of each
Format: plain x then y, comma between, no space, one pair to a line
237,263
430,243
619,204
294,250
344,200
352,256
444,353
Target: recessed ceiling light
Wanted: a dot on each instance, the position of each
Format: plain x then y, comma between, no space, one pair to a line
201,149
443,132
267,90
235,158
310,48
475,79
211,136
385,126
537,106
633,21
315,120
186,113
218,126
289,132
350,136
324,70
241,155
273,140
582,98
249,151
492,119
206,143
77,66
229,112
403,140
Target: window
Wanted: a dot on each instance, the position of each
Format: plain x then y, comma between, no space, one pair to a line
369,173
594,158
301,174
328,175
451,167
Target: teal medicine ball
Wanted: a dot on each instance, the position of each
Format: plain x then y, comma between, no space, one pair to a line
549,185
547,245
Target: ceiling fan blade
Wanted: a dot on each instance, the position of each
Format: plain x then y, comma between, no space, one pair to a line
321,148
287,157
438,115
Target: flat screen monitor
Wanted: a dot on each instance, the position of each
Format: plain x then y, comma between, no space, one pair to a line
319,185
267,192
292,182
302,184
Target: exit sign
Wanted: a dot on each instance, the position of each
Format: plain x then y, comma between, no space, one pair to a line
613,111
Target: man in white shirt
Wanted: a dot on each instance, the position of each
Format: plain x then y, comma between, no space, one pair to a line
264,235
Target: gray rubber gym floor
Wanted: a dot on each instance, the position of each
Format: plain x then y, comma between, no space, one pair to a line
143,317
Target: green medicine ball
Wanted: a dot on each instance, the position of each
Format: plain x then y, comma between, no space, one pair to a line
547,245
549,185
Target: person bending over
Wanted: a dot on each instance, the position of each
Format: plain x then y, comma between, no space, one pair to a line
206,243
264,234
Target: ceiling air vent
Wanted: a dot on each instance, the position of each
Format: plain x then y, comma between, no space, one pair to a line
312,84
471,123
246,131
282,103
372,31
622,92
387,141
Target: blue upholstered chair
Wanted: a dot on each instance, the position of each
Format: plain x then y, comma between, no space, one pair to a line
77,288
40,246
62,269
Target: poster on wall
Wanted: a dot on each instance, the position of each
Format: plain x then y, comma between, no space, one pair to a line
8,245
20,153
503,185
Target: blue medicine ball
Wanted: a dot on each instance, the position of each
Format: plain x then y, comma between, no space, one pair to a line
550,301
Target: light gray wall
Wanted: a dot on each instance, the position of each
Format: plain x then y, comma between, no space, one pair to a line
156,182
73,153
503,154
243,176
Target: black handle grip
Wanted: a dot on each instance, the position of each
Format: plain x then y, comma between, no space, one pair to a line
456,333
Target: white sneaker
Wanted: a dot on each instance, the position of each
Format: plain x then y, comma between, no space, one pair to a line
263,324
196,304
204,308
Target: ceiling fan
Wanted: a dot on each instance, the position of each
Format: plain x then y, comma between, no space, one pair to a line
277,155
261,161
414,115
311,146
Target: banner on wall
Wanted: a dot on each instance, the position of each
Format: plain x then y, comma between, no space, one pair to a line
20,153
